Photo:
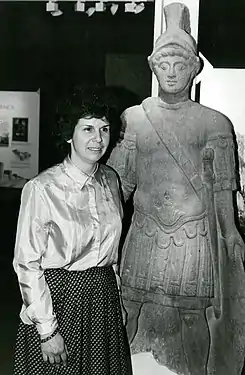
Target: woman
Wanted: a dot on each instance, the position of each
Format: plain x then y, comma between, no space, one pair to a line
66,254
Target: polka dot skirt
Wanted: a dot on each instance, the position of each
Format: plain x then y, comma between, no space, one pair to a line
89,316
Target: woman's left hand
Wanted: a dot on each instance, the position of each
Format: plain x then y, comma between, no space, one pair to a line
54,350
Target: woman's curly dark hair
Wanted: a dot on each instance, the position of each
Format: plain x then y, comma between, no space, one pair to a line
98,102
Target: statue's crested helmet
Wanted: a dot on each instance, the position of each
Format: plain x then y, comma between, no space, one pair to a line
177,32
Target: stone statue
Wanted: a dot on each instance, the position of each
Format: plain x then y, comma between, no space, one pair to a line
182,263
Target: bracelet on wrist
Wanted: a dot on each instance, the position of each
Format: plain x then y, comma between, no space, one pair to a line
49,337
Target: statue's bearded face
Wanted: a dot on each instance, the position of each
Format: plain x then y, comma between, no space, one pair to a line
174,73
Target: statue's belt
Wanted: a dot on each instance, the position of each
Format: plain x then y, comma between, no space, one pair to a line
142,218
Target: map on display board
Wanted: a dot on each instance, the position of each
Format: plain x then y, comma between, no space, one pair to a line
19,134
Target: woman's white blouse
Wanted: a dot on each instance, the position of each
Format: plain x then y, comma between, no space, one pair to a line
66,220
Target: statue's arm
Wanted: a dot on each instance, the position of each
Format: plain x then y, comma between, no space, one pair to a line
226,219
225,184
122,158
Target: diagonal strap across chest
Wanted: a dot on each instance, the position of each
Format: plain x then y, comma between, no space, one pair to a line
172,144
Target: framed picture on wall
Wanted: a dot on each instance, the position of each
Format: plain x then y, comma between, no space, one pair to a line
20,129
4,133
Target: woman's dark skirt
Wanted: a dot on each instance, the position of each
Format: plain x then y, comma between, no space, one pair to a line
88,310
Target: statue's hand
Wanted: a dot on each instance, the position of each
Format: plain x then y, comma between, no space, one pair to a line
235,245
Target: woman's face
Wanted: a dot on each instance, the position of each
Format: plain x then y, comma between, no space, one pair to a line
90,140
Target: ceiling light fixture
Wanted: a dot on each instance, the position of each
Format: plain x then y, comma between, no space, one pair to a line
80,6
139,8
57,13
53,8
130,7
114,8
90,11
100,7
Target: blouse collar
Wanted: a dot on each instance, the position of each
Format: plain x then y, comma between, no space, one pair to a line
77,175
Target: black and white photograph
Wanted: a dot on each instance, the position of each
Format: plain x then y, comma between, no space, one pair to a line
4,133
123,217
20,129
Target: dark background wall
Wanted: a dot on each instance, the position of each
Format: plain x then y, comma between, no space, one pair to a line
39,51
221,32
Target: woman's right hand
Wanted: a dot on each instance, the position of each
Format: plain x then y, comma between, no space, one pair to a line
54,350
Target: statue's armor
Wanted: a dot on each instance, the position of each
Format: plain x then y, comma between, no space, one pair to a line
167,249
169,224
167,263
167,258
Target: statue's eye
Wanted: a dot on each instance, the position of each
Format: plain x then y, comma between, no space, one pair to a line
181,66
163,66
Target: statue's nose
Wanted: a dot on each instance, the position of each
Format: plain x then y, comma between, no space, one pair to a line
171,72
